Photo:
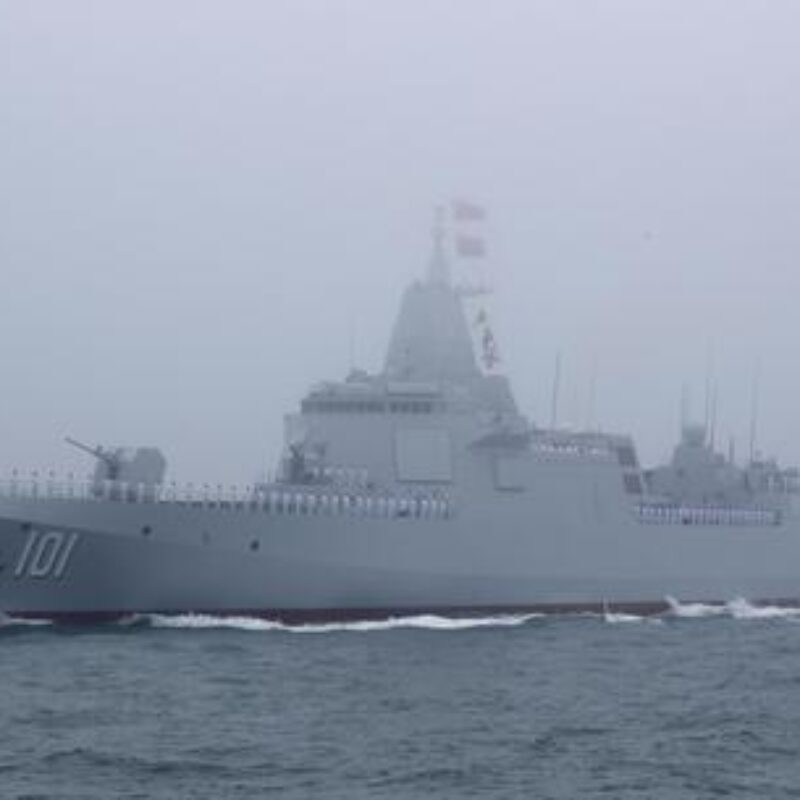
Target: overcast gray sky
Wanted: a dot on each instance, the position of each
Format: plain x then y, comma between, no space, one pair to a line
199,200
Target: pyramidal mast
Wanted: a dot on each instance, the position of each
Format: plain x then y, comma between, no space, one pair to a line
431,338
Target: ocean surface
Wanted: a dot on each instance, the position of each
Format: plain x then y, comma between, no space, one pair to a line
701,702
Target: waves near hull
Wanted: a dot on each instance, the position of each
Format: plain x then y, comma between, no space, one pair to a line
672,609
736,609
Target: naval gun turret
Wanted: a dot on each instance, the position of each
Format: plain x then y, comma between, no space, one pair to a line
132,467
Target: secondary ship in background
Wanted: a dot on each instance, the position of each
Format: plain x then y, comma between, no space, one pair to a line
419,488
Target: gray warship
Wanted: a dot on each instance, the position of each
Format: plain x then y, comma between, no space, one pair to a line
421,488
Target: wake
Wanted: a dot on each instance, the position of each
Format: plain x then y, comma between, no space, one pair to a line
738,608
7,622
429,622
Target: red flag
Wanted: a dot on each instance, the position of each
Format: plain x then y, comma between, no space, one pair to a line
470,246
464,211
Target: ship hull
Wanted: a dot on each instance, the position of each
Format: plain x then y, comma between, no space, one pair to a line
77,561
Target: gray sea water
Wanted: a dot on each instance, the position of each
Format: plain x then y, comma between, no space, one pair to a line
699,703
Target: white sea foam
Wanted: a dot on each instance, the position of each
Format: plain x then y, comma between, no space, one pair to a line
420,622
209,621
739,608
742,609
694,610
617,617
14,622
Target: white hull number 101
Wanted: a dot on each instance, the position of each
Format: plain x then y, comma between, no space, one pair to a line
46,554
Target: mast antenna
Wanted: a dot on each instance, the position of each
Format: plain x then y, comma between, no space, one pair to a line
592,396
556,387
351,343
712,433
710,396
754,408
684,406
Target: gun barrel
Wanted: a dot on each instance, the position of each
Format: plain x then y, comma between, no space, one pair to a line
97,452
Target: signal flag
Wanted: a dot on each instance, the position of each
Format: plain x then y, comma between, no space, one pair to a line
464,211
470,246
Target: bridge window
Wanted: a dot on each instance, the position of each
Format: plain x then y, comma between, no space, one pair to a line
337,406
344,406
626,456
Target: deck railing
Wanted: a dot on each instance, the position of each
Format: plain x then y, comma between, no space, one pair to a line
277,498
664,514
571,450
